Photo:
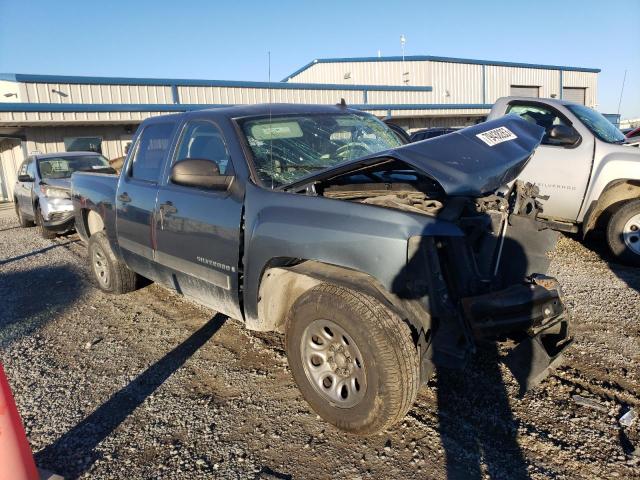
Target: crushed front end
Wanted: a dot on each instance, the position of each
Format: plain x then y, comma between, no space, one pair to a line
492,284
489,281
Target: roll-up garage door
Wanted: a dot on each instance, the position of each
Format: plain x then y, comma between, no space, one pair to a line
574,94
524,91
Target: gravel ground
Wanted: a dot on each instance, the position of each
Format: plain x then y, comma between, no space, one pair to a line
148,385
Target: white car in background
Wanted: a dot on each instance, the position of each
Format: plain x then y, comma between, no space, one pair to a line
42,194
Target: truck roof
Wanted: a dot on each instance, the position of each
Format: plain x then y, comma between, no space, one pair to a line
238,111
277,109
556,101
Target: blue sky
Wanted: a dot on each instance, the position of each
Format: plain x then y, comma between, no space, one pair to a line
229,40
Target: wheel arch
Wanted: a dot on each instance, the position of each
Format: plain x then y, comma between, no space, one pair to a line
614,195
282,283
88,222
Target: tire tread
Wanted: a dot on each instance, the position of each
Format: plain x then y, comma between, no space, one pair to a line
124,279
397,354
614,230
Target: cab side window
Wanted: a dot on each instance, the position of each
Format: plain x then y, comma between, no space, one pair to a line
151,150
539,115
204,140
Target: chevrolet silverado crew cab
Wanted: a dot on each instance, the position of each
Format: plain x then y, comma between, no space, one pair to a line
378,261
587,168
42,194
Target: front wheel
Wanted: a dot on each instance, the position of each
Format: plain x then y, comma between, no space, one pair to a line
112,275
623,233
44,231
352,358
24,223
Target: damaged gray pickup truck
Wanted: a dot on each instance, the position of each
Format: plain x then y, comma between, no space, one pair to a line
378,261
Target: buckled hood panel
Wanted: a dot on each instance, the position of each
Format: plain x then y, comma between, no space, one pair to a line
470,162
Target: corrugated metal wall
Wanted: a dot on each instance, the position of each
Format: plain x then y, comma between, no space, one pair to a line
236,95
10,159
78,93
456,82
583,79
451,82
51,139
366,73
17,118
500,79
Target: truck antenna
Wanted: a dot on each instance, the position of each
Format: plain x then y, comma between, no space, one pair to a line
270,129
624,79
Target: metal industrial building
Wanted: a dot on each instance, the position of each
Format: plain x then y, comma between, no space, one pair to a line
467,87
49,113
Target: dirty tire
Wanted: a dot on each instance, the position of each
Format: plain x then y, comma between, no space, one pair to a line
24,223
111,275
44,231
616,227
389,355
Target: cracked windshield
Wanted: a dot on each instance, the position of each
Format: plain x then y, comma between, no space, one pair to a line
286,149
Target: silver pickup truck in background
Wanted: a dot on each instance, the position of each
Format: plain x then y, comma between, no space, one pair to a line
586,167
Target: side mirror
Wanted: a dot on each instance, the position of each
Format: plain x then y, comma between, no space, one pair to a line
563,135
201,173
25,178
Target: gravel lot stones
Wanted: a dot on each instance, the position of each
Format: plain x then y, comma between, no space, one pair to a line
148,385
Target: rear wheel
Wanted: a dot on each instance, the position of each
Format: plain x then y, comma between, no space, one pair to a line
112,275
623,233
44,231
353,359
24,223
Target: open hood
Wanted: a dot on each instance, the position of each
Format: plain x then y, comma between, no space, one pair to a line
470,162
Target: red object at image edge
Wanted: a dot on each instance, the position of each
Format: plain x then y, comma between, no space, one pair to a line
16,458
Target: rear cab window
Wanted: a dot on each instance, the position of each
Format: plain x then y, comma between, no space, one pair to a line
150,151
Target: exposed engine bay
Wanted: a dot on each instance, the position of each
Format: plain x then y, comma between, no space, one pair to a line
394,184
401,196
499,225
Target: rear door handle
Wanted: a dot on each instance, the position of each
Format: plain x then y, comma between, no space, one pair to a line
124,197
168,208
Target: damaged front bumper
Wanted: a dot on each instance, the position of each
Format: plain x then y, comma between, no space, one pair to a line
534,314
57,213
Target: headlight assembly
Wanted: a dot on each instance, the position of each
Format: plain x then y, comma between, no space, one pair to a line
54,192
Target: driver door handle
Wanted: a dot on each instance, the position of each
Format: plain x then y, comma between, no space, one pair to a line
124,197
